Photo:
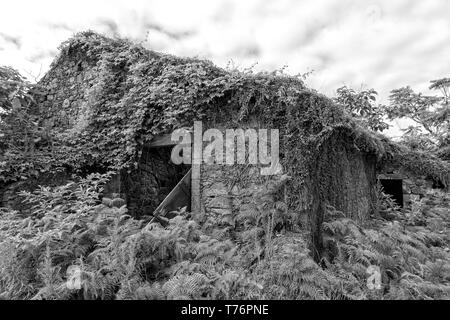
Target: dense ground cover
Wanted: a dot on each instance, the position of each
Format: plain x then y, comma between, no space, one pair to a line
75,246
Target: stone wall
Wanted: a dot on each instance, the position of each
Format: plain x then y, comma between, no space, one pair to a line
68,92
414,189
232,194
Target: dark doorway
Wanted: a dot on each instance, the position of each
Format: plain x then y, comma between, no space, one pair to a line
394,188
438,185
153,180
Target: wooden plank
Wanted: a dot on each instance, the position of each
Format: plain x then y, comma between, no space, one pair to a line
179,197
164,140
195,189
390,176
196,155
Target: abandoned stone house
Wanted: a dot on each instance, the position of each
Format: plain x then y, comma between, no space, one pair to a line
326,158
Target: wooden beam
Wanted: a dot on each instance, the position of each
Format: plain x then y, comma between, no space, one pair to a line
197,153
195,189
164,140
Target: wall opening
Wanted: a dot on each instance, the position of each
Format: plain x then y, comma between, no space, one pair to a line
394,188
154,179
438,185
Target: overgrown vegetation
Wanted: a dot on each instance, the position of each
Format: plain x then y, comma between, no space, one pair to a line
362,106
430,116
76,247
116,256
25,149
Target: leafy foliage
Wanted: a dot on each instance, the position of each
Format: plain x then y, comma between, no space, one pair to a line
117,257
24,144
362,106
430,113
414,261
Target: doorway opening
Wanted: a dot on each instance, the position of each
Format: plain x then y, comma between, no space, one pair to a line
394,188
157,183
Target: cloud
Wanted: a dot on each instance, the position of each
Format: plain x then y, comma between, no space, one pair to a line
42,55
58,26
108,26
15,41
161,29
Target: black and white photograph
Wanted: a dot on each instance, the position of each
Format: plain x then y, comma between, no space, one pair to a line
226,155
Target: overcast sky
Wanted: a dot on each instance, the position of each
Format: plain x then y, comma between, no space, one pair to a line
383,44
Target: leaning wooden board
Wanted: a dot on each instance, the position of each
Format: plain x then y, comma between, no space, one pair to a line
179,197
